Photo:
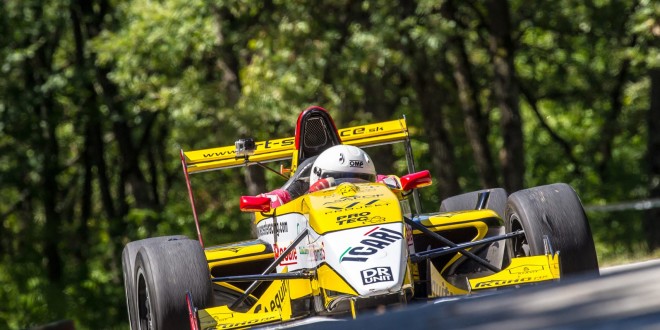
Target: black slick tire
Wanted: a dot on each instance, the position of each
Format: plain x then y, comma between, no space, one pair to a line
128,269
468,201
556,211
164,272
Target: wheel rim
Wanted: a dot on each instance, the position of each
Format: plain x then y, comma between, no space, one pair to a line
145,319
520,245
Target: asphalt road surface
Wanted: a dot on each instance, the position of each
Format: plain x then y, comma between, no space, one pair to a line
621,298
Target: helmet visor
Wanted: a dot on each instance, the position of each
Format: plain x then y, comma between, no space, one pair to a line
349,175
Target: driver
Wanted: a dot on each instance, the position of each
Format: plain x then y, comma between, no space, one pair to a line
341,162
337,163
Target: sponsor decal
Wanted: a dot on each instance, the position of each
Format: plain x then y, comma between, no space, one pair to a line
290,259
268,144
362,217
409,236
376,275
319,253
279,298
356,205
231,249
356,163
347,189
276,302
249,322
520,280
349,198
269,228
359,131
379,238
352,205
526,269
341,158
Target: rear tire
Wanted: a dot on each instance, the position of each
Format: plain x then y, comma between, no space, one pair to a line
164,272
468,201
494,252
128,269
554,210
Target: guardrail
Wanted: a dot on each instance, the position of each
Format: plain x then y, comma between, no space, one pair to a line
639,205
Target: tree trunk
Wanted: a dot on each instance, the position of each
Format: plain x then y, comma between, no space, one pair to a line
43,105
506,94
611,126
652,218
441,148
377,103
476,127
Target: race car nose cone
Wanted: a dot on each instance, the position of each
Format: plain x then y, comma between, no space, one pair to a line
347,189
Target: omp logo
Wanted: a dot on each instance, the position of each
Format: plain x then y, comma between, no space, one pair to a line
379,238
376,275
356,163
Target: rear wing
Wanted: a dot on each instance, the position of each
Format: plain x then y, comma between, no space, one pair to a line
284,149
197,161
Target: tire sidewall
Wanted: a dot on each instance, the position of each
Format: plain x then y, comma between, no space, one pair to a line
556,211
168,270
129,256
144,272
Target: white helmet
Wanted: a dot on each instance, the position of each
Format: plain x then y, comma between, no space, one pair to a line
343,161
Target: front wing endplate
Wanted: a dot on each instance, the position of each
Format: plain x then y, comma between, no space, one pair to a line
522,270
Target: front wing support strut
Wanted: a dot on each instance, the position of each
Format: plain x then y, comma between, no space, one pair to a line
476,258
417,257
270,268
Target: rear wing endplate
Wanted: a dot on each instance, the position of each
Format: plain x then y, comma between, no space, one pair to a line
284,149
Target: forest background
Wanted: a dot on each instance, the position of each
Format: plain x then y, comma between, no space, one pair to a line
97,97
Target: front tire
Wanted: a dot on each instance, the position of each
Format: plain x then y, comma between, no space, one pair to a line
128,269
556,211
164,272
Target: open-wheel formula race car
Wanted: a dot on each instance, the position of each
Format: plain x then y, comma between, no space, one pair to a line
352,247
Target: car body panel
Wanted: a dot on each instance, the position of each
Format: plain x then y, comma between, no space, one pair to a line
353,242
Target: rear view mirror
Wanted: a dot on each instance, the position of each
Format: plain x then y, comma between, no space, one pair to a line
416,180
255,204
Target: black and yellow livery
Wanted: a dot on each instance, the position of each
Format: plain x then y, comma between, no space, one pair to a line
352,247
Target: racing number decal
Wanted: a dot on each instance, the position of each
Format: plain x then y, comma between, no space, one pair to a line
379,239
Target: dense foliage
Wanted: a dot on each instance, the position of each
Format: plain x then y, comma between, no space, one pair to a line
97,97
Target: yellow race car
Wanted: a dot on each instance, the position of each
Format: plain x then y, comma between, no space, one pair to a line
352,247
